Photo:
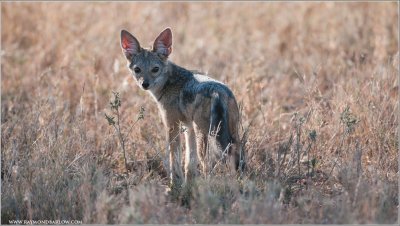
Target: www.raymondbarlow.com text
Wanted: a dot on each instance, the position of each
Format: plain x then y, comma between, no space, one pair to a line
44,222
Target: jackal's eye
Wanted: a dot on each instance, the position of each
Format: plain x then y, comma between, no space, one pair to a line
137,70
155,69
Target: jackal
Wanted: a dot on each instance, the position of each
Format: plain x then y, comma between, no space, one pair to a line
206,107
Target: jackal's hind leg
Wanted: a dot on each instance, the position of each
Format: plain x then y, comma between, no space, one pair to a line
202,146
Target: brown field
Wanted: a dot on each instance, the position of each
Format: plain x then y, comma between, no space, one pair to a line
317,83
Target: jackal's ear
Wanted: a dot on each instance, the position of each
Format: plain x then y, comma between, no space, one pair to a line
129,44
163,43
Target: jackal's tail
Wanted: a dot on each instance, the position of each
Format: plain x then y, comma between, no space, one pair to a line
219,127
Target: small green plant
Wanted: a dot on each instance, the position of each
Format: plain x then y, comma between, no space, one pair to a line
115,120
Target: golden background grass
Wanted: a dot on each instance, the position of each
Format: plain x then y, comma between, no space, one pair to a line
294,67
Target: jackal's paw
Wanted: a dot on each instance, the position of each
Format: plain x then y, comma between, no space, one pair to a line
173,192
167,191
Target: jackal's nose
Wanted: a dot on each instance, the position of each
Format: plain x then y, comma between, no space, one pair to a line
145,85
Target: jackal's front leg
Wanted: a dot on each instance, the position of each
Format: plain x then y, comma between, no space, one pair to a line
174,157
190,155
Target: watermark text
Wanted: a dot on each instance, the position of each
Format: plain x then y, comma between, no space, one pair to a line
44,222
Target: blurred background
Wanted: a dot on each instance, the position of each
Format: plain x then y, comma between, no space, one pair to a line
317,83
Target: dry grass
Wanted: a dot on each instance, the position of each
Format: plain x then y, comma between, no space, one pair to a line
318,84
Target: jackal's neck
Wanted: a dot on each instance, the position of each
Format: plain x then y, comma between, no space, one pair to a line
178,72
176,78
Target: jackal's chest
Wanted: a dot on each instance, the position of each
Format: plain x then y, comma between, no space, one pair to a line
172,112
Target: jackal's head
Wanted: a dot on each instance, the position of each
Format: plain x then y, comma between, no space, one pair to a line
148,67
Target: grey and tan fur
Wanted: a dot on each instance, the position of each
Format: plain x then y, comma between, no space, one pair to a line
199,103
